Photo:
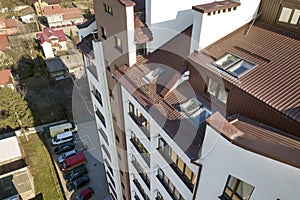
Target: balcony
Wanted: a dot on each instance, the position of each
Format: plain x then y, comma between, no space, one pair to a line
182,176
103,135
111,178
141,172
141,190
140,121
97,96
168,189
106,152
101,117
139,147
92,68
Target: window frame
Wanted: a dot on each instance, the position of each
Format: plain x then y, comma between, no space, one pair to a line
118,46
294,7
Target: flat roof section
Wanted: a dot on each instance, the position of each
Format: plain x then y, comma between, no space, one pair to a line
10,150
216,6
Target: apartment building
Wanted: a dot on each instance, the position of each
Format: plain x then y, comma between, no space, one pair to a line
186,103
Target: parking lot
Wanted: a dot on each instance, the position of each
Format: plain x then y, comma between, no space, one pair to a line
87,141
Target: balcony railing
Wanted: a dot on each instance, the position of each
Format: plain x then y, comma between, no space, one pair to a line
140,171
139,121
186,181
98,96
106,151
141,190
111,178
144,155
167,188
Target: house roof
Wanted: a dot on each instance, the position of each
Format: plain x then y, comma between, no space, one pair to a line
216,6
67,13
27,11
55,65
47,33
258,138
50,2
9,23
4,42
10,150
87,23
86,45
5,76
275,80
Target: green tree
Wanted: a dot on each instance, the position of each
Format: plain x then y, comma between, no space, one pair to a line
14,110
71,34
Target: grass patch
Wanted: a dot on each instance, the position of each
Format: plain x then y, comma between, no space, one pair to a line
41,167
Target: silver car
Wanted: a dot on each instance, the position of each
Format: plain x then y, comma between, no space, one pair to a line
65,155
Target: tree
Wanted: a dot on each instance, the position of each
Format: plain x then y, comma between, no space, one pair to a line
14,110
71,34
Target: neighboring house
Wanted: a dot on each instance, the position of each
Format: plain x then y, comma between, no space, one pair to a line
204,105
59,17
16,182
40,4
27,15
52,41
8,26
57,69
6,79
4,43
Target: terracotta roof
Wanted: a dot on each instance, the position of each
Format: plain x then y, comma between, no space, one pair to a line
50,32
187,134
3,41
127,3
67,13
5,77
87,23
275,81
258,138
9,23
216,6
141,31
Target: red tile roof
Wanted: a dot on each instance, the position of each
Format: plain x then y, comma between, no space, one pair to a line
3,42
50,32
50,2
67,13
5,77
258,138
9,23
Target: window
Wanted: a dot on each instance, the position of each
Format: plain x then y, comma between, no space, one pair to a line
108,9
101,117
217,90
111,94
237,189
234,65
103,31
107,65
118,44
289,15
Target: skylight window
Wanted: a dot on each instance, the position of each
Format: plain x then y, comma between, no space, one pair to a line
234,65
154,74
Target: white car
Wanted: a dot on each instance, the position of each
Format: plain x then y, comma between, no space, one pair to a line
65,155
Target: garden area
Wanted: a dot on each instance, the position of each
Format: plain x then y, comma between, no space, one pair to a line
46,183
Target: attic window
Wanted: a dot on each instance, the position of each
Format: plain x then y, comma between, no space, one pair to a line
153,74
234,65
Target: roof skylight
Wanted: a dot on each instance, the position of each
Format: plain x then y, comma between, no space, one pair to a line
153,74
234,65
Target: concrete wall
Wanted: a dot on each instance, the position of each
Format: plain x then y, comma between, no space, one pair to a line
271,179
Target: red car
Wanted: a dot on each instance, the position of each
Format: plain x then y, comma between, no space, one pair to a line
86,194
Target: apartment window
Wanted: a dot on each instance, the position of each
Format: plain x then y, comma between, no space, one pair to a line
111,94
141,171
289,14
97,95
168,185
140,148
107,65
119,156
117,138
103,31
217,90
123,186
118,44
140,120
101,117
159,196
236,189
108,9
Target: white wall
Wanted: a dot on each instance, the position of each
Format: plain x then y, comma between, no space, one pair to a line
220,158
83,32
208,29
47,48
167,18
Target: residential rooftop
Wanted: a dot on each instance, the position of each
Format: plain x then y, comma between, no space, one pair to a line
258,138
5,75
49,33
275,78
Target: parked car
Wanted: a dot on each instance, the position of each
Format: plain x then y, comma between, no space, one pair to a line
66,155
62,138
86,194
75,173
73,162
64,147
78,183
